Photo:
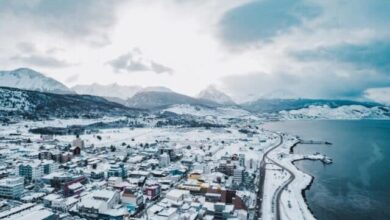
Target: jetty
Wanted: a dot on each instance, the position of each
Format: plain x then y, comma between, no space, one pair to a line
314,142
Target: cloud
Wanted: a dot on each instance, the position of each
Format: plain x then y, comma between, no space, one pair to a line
73,78
323,81
40,60
373,55
381,95
29,54
72,18
26,47
134,61
262,20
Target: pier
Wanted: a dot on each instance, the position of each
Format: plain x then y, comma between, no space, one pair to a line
314,142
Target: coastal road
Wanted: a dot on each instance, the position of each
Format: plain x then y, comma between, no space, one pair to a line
276,197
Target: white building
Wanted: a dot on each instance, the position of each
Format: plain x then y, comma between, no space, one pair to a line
100,202
177,195
164,160
49,166
11,187
78,142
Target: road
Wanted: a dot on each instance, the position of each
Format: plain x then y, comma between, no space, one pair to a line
276,197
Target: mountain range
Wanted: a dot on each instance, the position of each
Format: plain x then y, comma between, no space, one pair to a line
51,97
115,91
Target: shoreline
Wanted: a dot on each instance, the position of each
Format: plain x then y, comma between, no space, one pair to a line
307,188
293,193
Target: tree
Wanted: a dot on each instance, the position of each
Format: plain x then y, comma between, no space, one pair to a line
112,148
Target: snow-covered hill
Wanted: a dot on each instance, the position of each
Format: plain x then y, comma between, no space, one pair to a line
341,112
24,78
201,111
213,94
115,92
111,90
153,100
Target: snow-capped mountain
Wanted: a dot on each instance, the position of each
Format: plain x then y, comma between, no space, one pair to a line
153,99
156,89
341,112
25,78
111,90
213,94
115,92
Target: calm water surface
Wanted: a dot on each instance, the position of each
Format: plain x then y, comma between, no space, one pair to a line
357,185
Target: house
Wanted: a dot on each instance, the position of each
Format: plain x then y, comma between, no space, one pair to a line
78,142
177,195
152,190
100,204
133,199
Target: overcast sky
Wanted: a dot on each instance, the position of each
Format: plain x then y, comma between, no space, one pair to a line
248,49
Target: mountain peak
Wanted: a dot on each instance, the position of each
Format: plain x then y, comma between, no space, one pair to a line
29,79
156,89
211,93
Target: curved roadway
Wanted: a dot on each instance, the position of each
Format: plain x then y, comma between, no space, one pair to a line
280,189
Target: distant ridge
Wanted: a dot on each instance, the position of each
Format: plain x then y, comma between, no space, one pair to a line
153,99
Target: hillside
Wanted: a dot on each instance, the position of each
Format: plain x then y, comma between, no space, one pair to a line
37,105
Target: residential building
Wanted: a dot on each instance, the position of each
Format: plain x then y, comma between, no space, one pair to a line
241,160
31,170
78,142
133,199
100,204
152,190
117,170
238,175
164,160
11,187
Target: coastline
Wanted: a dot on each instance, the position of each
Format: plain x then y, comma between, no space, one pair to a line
307,188
292,182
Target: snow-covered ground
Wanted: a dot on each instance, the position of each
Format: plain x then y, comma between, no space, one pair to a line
274,178
215,114
343,112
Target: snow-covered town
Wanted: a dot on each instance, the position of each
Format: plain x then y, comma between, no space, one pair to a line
194,110
68,169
